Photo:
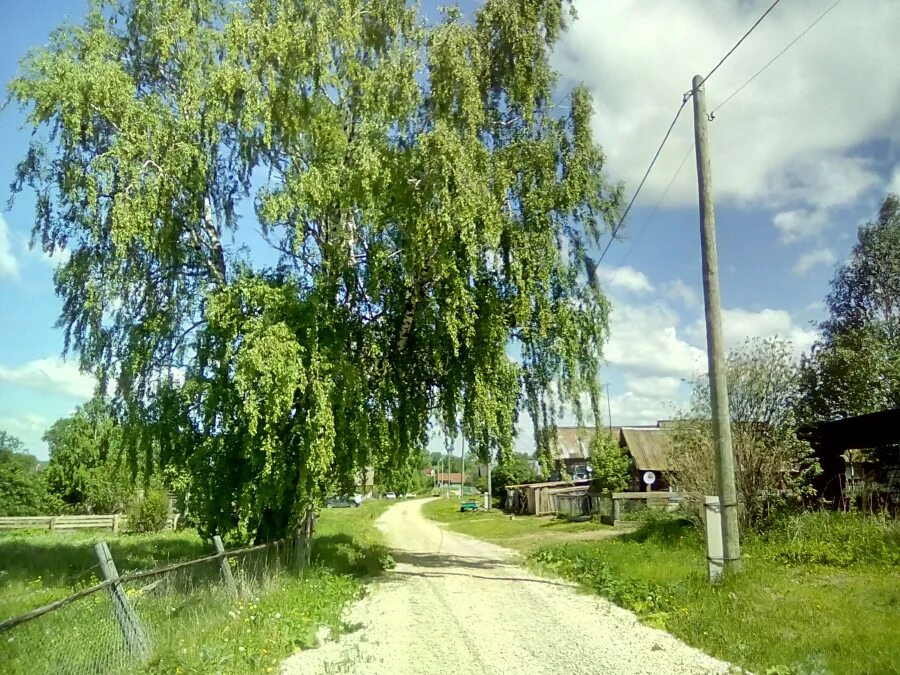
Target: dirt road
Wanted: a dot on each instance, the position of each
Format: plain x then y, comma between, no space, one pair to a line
457,605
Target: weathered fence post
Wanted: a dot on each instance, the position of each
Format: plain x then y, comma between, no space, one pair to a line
52,524
616,509
128,621
303,540
715,551
115,525
226,568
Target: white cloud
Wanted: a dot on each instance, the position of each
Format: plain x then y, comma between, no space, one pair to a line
894,183
51,375
9,266
17,424
653,386
800,224
644,341
680,292
739,325
631,408
625,278
794,134
810,259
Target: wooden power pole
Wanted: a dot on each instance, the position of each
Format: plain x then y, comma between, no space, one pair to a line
715,348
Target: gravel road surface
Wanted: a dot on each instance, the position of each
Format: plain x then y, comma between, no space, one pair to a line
458,605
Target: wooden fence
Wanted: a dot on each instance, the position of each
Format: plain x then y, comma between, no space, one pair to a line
617,508
114,523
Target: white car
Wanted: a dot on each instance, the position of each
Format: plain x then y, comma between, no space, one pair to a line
390,495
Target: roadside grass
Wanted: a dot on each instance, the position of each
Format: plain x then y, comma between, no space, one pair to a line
523,533
818,594
193,624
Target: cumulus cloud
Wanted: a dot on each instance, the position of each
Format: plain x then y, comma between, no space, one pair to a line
814,258
805,145
739,325
800,224
679,292
894,183
644,340
9,266
26,423
625,279
52,375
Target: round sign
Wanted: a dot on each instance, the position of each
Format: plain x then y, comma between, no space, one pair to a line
649,477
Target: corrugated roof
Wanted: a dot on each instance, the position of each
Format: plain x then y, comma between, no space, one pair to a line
651,448
574,442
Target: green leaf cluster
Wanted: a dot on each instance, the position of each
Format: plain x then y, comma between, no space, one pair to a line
429,192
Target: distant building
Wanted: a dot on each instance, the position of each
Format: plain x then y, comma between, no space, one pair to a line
365,482
650,448
452,478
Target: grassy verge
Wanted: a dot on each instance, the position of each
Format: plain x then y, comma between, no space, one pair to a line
524,533
820,594
193,625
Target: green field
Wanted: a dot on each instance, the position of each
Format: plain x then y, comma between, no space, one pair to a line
195,627
820,595
524,533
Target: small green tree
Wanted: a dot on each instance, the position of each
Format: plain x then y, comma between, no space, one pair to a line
149,510
610,463
88,468
23,485
514,470
773,467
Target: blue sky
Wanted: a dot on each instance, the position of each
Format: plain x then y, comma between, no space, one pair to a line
800,158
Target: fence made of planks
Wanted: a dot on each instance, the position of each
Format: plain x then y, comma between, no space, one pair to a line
113,522
123,614
613,508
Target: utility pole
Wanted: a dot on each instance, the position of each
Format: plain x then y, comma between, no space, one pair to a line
715,350
490,493
609,408
462,475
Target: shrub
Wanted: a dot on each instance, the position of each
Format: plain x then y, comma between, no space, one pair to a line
773,467
149,511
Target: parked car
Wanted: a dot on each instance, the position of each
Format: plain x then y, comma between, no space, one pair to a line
390,495
341,502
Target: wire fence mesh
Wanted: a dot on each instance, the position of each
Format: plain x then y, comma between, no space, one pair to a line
88,635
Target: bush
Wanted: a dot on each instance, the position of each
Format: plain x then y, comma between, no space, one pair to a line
148,512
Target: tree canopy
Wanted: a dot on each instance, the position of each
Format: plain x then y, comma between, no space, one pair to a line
854,368
430,196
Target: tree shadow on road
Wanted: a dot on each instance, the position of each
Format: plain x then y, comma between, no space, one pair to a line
445,565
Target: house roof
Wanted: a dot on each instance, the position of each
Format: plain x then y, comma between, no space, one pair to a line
453,477
863,431
574,442
650,447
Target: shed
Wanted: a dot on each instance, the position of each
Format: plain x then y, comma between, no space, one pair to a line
539,499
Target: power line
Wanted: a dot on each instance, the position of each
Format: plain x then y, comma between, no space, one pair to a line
590,266
737,91
640,185
659,202
738,43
